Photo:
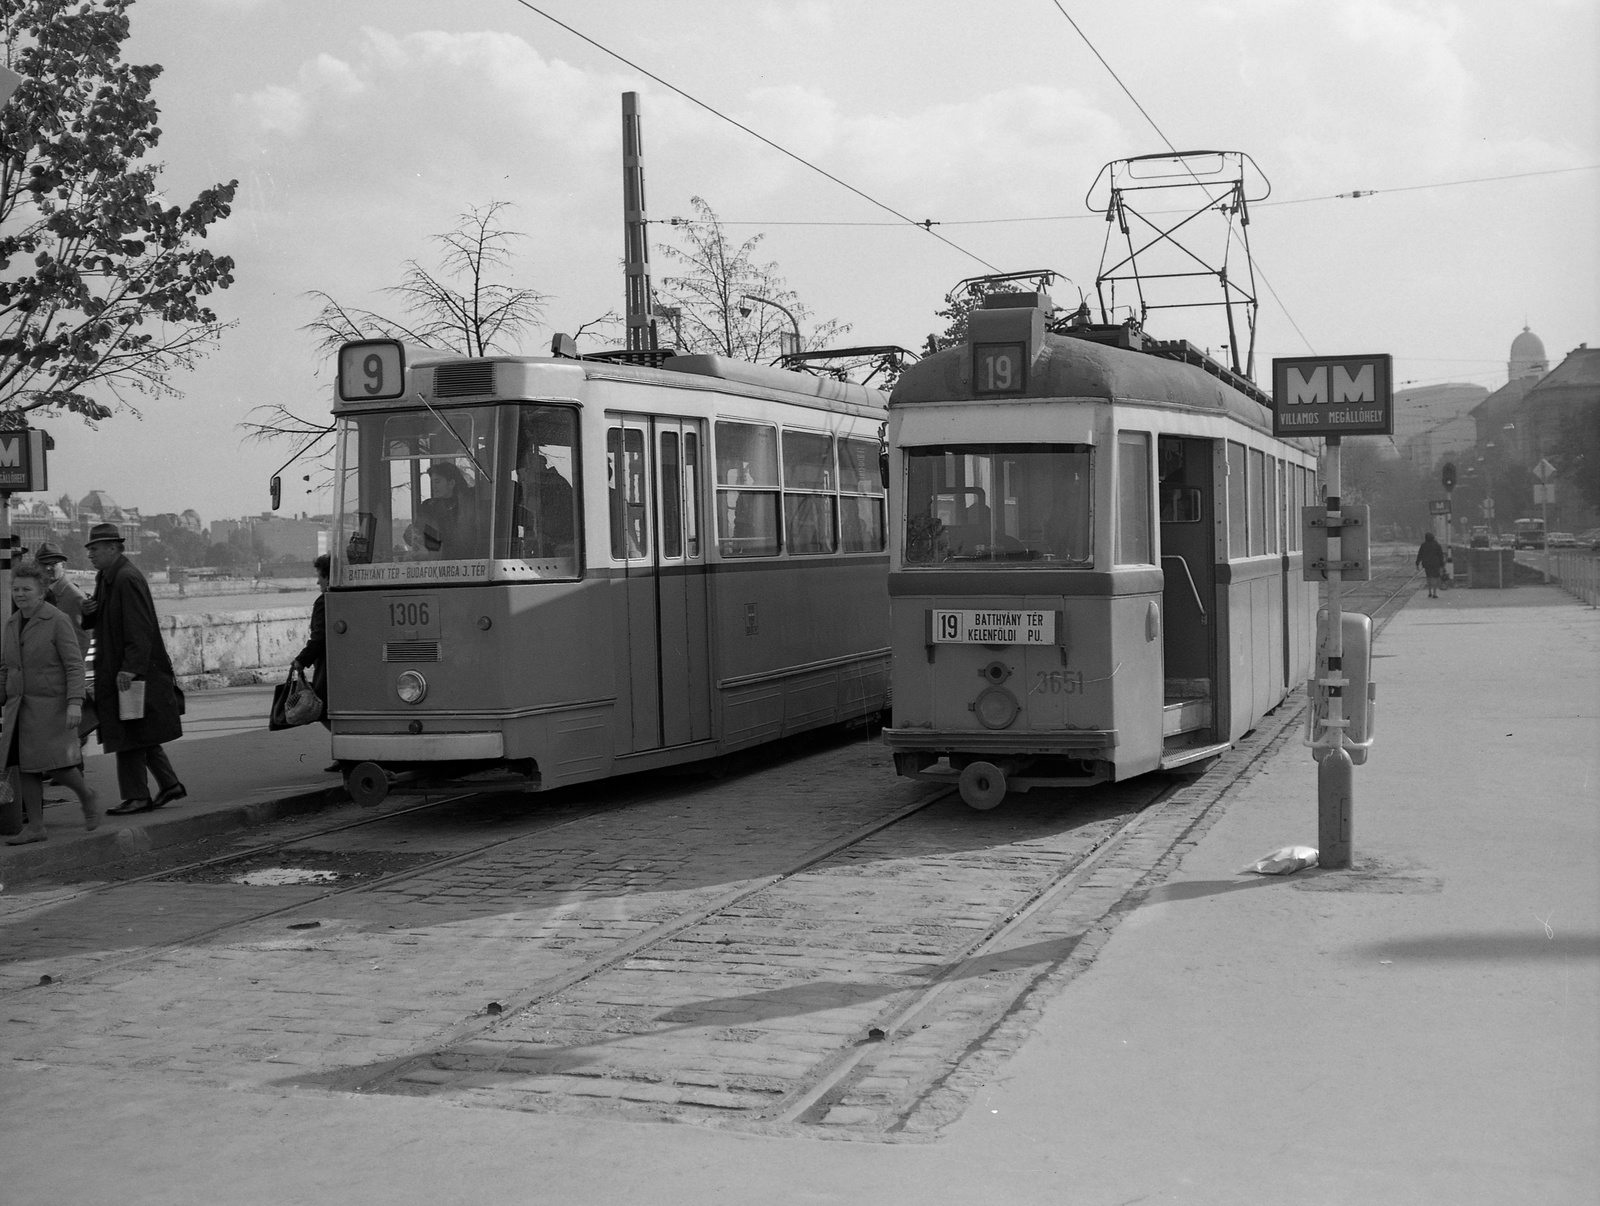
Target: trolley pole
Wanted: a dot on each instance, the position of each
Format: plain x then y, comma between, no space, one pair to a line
1336,772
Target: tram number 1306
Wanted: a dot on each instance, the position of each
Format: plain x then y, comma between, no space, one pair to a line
413,615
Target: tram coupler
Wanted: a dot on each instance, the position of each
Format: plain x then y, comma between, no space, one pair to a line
983,784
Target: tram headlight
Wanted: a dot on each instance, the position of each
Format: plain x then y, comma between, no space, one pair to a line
996,708
411,687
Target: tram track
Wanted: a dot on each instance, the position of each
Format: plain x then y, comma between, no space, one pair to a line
659,1026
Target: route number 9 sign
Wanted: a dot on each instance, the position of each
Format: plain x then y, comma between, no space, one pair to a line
371,370
999,368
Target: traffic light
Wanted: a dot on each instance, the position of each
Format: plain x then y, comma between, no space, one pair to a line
1449,476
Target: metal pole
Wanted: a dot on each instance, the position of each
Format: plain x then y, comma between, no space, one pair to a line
1335,773
5,556
1544,518
1450,535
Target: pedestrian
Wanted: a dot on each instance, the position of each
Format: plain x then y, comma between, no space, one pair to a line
1431,558
128,648
42,686
64,594
315,654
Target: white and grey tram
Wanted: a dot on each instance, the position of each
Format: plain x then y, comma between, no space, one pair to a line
1096,569
551,570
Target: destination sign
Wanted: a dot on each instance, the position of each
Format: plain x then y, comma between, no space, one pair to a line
993,627
1333,395
398,572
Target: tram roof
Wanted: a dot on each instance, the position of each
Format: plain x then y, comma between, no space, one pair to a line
702,372
1067,367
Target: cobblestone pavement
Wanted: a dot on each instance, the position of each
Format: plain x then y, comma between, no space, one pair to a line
727,954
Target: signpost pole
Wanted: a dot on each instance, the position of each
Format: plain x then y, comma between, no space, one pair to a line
5,555
1336,772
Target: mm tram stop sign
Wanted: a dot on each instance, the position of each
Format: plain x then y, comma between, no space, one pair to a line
1332,397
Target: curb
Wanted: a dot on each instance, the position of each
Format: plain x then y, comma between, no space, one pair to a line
20,864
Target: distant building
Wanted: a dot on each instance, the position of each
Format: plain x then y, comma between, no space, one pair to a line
99,507
1435,421
292,539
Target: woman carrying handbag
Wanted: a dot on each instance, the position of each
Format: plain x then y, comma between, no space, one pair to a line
42,686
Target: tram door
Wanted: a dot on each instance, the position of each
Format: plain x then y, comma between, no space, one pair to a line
656,531
1188,561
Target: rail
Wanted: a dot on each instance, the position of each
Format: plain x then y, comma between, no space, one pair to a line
1578,574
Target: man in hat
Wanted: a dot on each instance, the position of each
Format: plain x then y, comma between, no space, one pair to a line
64,594
128,647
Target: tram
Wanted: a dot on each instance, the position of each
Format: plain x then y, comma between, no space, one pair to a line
547,570
1095,568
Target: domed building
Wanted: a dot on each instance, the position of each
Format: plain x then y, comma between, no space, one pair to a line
1527,357
1525,366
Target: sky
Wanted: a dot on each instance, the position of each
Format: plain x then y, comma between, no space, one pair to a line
358,128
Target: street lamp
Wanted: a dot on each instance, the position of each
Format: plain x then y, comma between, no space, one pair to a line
788,343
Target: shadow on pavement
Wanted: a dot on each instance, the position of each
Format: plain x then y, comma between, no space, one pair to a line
1488,946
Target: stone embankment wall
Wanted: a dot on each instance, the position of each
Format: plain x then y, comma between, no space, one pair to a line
234,648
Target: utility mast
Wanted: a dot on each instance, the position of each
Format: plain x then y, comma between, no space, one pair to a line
636,251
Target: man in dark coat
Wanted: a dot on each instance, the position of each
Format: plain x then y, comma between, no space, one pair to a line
128,647
1431,558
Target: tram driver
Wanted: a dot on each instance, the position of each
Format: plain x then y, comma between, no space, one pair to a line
447,522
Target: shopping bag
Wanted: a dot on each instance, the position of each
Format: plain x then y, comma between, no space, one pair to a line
294,703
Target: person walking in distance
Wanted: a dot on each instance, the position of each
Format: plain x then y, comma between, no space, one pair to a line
314,656
128,648
42,686
1431,558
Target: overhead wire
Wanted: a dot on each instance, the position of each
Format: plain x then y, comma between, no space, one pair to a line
926,226
1095,217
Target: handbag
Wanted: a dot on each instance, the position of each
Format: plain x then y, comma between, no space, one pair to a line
294,703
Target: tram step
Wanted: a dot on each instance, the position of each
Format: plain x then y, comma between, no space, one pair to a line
1180,689
1185,717
1187,755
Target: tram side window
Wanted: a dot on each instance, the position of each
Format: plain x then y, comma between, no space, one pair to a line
1133,498
630,512
1238,524
747,490
974,505
543,512
808,499
1279,480
861,526
1258,504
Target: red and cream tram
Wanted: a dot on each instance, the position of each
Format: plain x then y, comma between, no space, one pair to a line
550,570
1096,569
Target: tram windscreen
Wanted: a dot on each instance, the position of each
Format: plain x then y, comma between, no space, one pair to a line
416,486
442,495
988,504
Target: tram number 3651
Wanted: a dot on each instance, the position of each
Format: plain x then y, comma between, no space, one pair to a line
1057,682
409,615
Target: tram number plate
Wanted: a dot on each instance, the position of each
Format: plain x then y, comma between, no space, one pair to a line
993,627
412,616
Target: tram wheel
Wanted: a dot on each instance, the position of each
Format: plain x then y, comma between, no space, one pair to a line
367,784
983,785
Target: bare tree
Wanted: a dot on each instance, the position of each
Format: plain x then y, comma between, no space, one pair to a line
458,306
709,294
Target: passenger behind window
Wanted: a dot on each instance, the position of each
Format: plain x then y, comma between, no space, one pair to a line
546,526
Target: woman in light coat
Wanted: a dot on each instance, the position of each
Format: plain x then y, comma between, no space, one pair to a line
42,686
